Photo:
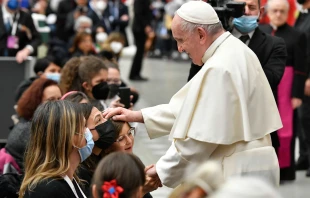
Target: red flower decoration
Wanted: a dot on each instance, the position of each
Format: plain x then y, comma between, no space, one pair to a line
111,189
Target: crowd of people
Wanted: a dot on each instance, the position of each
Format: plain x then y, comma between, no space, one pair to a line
72,136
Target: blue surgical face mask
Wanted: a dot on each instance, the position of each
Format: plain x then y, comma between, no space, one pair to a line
13,4
245,24
53,76
86,151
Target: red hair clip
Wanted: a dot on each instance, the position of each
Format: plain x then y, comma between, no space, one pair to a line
111,189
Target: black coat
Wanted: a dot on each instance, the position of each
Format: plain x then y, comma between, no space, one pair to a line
296,54
142,16
100,22
302,24
64,8
26,20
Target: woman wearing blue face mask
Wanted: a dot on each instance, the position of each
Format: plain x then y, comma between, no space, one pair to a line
59,143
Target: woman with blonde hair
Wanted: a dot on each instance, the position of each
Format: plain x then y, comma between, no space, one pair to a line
114,44
59,143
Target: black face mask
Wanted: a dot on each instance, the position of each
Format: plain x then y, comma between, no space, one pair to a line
113,90
101,91
301,1
107,135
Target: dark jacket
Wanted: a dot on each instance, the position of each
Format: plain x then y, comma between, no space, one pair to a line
51,188
142,16
25,19
296,54
302,24
18,140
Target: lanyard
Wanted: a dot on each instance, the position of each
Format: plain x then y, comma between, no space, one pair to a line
15,24
68,180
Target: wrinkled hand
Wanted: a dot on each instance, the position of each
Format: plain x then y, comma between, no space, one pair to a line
123,114
22,55
116,103
124,17
151,182
307,87
296,102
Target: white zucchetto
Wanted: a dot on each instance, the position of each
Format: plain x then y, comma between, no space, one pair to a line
198,12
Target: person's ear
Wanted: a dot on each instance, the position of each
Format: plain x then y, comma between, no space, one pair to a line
86,86
40,73
262,13
202,35
94,191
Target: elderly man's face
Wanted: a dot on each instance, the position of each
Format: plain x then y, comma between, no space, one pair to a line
251,8
187,42
277,11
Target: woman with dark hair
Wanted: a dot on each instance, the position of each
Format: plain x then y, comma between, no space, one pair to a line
89,75
109,137
75,96
82,45
41,91
121,171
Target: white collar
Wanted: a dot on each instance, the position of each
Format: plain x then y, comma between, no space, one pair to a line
210,51
6,15
237,34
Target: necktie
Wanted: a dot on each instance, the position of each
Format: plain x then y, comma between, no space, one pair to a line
244,38
8,26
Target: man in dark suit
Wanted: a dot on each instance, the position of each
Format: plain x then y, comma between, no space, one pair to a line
119,17
141,27
271,51
99,14
18,35
303,25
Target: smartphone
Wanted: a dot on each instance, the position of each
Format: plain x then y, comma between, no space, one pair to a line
124,94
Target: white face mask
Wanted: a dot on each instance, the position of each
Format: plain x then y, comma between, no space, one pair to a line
116,46
101,5
101,37
87,30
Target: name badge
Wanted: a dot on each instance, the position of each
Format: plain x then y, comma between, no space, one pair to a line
12,42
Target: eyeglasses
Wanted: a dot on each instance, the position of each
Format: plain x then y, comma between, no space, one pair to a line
122,140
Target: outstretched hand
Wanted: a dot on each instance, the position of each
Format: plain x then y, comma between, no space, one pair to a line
152,181
122,114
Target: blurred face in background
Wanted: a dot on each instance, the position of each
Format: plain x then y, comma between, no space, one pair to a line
114,76
51,93
81,2
277,12
251,8
86,44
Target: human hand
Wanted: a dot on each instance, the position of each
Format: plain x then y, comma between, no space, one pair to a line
124,17
22,55
307,87
148,29
151,182
296,102
123,114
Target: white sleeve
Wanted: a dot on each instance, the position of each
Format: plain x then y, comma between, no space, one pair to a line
158,120
172,166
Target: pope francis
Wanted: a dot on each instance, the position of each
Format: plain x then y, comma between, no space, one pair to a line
225,113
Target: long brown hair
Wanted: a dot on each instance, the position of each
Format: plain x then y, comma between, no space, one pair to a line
77,40
32,97
53,127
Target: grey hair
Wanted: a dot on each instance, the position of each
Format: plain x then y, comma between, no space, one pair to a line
211,29
285,1
80,20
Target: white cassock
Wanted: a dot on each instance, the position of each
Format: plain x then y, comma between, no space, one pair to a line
224,114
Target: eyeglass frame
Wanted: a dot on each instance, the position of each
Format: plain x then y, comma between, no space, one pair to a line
131,133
